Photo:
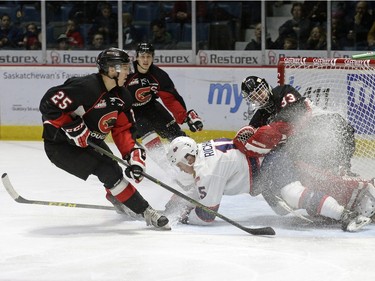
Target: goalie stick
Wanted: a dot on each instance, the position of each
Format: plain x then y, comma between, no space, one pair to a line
254,231
18,198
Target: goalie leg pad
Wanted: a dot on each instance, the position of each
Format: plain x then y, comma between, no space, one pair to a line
366,202
292,194
299,197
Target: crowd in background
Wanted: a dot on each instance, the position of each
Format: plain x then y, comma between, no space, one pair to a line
93,25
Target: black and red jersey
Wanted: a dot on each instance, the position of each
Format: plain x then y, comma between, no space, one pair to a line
148,87
102,111
288,103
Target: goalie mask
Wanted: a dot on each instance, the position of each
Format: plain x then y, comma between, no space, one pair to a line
112,57
180,148
257,92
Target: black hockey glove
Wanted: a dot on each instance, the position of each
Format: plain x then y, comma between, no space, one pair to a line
137,164
77,132
194,121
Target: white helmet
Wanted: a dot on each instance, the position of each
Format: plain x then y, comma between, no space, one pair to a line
179,148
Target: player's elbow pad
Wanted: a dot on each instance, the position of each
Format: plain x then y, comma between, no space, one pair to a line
199,216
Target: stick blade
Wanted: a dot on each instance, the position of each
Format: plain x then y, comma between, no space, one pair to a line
261,231
9,187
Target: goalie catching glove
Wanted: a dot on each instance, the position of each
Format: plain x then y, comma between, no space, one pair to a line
77,132
257,142
137,164
194,121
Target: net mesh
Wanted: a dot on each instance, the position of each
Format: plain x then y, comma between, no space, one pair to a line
344,86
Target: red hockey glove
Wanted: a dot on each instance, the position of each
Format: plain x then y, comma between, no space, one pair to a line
137,164
194,121
242,136
257,142
78,132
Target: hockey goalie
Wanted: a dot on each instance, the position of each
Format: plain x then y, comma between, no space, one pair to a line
310,168
309,171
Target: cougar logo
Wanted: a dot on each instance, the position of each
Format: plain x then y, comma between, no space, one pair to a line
107,122
143,95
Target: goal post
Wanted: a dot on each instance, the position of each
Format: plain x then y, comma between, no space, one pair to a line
342,85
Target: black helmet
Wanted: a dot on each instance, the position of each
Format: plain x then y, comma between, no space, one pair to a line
111,57
145,48
256,91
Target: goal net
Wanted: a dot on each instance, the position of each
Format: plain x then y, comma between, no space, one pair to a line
345,86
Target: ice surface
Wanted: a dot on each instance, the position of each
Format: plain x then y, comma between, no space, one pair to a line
56,243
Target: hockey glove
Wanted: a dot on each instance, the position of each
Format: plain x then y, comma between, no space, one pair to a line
194,121
242,137
257,143
78,132
137,164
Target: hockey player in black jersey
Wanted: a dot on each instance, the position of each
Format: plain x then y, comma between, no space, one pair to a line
87,109
148,85
284,109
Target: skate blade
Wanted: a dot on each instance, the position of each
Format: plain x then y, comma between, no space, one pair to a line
355,226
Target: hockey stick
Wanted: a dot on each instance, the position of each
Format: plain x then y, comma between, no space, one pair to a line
253,231
18,198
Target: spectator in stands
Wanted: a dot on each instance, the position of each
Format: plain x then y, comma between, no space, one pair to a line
82,11
290,43
217,13
31,38
106,24
10,36
256,42
62,42
317,39
75,39
371,37
316,12
298,27
338,32
97,42
358,27
130,34
161,38
181,12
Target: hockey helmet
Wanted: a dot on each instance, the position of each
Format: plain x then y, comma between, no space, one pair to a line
180,148
257,92
143,48
112,57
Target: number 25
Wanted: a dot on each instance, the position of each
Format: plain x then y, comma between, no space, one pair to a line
61,100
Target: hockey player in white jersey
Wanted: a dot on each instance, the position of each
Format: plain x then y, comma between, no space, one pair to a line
219,168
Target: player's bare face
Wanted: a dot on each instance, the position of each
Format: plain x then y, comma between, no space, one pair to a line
124,72
187,168
144,62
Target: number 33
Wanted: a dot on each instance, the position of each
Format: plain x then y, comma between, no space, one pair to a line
288,98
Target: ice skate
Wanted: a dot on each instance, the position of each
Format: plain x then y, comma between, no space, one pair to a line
152,217
352,221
